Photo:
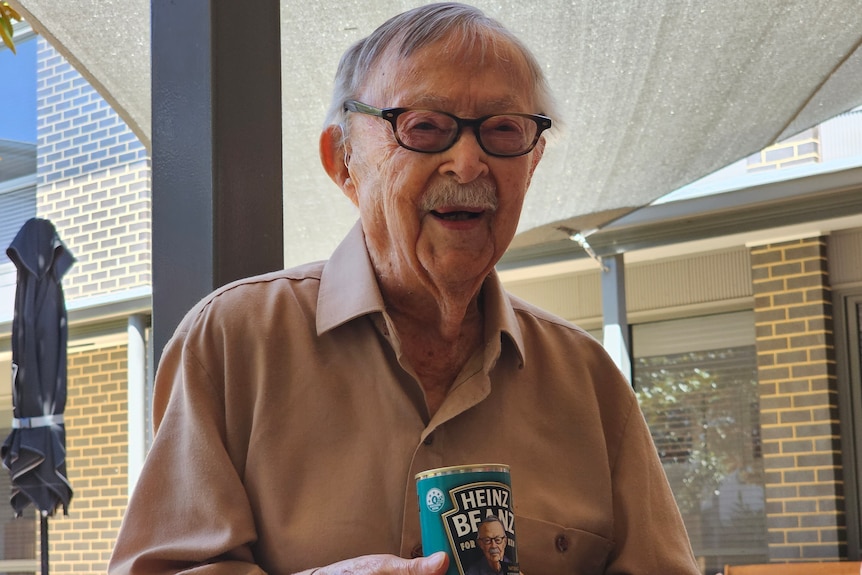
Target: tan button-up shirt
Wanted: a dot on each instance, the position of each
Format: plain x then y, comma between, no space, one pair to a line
290,430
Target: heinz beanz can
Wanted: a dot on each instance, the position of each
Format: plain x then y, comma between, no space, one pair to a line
467,512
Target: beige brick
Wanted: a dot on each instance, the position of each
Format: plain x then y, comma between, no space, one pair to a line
82,543
798,400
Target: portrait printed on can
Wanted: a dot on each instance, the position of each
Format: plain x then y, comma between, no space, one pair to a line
481,529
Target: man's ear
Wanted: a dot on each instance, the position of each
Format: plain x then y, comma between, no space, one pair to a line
537,152
335,157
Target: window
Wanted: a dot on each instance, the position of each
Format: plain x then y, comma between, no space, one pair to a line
848,314
696,380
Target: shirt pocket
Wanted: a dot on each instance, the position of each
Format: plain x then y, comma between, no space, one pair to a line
546,548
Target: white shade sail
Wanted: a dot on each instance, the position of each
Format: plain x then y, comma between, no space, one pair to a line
654,93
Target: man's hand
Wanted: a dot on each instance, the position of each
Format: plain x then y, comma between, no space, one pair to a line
435,564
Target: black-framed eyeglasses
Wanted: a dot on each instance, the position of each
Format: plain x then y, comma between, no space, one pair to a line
432,131
487,540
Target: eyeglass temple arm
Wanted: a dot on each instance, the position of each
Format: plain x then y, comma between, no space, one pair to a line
355,106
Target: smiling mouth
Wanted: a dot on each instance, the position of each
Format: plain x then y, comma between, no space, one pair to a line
456,216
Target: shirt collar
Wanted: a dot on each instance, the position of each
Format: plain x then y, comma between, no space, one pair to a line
500,320
348,290
348,286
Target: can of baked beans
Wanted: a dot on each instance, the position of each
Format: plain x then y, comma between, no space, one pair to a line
467,512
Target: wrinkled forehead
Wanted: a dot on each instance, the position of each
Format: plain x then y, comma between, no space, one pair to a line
460,54
491,529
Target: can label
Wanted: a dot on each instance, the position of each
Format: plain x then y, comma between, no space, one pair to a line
467,512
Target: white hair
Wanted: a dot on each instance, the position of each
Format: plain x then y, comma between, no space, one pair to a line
412,30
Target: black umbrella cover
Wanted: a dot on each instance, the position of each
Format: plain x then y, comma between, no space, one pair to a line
35,451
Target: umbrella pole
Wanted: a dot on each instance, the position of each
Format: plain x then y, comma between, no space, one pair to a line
44,532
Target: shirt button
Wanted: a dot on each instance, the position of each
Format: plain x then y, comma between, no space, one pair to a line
416,551
562,543
429,440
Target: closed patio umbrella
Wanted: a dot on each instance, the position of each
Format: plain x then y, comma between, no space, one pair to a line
35,450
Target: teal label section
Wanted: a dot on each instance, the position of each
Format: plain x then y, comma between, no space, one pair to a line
453,503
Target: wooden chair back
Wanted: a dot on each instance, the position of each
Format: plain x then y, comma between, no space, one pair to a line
823,568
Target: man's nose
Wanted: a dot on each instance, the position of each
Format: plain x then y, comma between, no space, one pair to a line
465,160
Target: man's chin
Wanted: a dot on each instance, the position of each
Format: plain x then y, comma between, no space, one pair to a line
459,266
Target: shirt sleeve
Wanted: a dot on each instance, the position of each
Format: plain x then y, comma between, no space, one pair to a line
649,534
189,512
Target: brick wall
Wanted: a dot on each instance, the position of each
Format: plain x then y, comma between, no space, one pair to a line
803,148
97,462
93,181
798,400
94,185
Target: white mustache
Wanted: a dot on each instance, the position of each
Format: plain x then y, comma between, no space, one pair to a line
477,194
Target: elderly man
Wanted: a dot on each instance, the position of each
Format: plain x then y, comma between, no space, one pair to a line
491,540
293,410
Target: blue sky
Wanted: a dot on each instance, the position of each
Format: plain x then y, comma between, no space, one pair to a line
18,93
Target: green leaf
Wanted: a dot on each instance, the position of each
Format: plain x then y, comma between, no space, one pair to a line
6,31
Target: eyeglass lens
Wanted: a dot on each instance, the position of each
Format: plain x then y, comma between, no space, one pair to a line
430,131
487,540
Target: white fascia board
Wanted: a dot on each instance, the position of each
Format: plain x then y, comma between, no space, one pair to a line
99,308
